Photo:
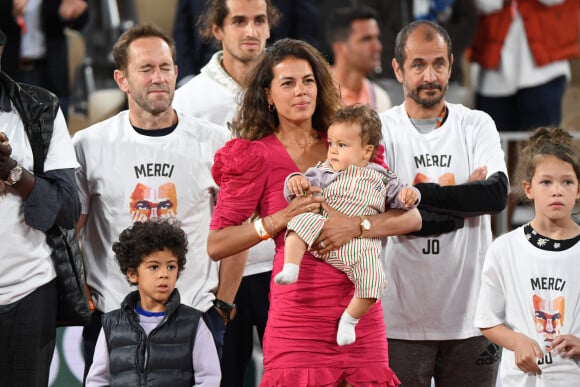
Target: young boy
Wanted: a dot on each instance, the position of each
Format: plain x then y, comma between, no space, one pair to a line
153,338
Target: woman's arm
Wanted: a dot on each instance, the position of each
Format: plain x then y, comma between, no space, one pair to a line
526,350
340,229
231,240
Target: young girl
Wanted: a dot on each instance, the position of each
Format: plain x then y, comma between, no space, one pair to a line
529,302
354,187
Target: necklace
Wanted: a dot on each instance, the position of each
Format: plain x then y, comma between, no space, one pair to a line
441,116
302,147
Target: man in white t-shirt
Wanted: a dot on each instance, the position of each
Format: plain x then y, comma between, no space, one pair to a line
147,162
453,155
242,28
31,203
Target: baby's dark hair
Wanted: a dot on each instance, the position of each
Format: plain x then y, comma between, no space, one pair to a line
549,141
368,120
144,238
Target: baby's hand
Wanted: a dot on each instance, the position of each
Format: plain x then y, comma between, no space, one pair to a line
527,352
567,343
480,173
298,185
408,196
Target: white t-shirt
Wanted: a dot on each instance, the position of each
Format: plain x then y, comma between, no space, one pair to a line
25,255
521,281
215,96
212,94
206,364
125,177
434,281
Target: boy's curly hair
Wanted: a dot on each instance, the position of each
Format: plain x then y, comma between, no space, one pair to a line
144,238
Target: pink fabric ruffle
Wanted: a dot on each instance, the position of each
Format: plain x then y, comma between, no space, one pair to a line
238,158
330,377
240,171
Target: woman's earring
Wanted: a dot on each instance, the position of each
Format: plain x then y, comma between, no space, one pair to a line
271,108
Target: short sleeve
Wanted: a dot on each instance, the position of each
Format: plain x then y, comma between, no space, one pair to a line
490,309
240,172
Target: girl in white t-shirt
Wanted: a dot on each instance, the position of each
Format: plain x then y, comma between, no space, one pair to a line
529,301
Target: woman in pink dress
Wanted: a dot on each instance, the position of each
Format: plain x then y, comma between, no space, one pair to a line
282,129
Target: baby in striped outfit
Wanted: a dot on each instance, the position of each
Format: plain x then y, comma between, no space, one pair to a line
354,186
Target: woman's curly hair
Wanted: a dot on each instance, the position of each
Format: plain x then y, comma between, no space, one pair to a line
144,238
254,121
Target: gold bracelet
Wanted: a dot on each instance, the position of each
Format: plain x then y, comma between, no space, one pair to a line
260,230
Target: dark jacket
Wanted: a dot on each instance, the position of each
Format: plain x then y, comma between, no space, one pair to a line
54,199
191,52
56,43
164,357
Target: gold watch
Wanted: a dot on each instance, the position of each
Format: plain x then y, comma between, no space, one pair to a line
365,226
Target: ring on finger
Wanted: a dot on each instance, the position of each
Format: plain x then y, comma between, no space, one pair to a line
308,207
322,244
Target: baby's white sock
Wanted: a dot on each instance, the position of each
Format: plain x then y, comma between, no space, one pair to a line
288,275
346,334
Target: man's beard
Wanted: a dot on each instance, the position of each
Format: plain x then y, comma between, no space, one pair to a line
426,102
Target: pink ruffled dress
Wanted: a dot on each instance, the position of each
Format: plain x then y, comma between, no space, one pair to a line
300,340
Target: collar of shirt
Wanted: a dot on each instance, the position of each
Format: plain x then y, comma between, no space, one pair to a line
215,71
349,97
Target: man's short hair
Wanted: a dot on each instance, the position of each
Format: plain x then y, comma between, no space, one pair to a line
121,48
432,29
339,23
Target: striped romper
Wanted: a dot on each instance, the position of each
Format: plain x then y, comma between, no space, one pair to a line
355,191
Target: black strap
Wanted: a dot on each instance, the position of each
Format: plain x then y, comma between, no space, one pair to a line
35,138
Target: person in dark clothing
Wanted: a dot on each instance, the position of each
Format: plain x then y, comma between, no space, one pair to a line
154,339
30,205
37,50
458,17
191,51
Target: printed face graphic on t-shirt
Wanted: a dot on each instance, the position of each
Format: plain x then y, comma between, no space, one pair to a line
443,180
153,202
549,317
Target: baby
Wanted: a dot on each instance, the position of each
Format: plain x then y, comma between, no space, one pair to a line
354,186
